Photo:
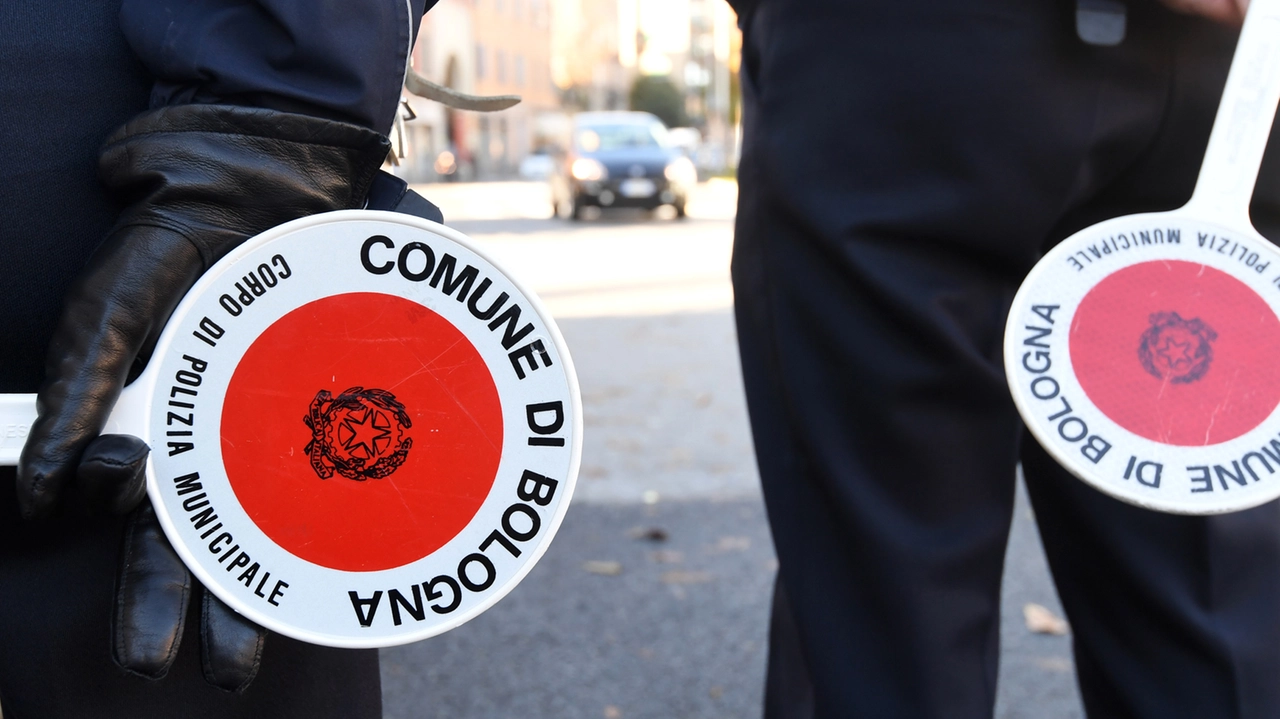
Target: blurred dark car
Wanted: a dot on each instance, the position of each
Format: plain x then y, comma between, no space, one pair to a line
621,159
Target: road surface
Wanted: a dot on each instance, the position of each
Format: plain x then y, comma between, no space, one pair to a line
652,601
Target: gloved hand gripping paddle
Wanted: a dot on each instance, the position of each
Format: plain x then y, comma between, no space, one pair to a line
363,432
196,181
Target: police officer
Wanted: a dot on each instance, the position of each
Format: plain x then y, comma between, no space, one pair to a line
905,163
140,141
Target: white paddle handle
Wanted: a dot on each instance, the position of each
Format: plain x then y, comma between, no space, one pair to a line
1244,120
17,412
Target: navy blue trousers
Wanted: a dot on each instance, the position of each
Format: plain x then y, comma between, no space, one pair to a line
905,162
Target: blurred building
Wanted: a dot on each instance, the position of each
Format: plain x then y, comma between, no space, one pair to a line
433,141
512,57
563,56
711,80
481,47
697,45
585,64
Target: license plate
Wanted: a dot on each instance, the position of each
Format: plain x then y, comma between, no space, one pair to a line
637,188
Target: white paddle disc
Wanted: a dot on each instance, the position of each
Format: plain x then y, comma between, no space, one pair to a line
363,432
1143,352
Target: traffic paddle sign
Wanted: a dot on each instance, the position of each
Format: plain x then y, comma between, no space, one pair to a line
1144,352
363,432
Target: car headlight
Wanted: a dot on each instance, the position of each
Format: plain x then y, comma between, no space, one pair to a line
681,171
589,170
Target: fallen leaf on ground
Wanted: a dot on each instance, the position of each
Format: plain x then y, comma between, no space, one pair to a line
649,534
1042,621
607,568
677,577
1053,664
733,544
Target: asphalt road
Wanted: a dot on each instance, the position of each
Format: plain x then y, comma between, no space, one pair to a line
652,601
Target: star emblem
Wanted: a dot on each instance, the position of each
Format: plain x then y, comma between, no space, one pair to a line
360,437
1176,350
1175,353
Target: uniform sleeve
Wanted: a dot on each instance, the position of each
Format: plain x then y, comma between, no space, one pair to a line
338,59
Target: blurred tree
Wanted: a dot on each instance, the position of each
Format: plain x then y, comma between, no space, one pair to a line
657,94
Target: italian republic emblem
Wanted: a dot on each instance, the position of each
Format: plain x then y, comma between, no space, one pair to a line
1177,350
359,434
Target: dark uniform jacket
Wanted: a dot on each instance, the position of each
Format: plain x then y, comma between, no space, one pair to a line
70,73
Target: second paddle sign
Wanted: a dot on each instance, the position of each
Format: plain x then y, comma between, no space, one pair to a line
1144,352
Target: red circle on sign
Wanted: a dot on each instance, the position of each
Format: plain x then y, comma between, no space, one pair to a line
1178,352
361,431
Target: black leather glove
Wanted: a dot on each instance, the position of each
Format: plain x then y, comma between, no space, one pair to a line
196,181
153,589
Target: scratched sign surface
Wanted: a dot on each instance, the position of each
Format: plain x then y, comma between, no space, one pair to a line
364,433
1142,355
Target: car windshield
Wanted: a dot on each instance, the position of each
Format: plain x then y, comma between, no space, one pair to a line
603,138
